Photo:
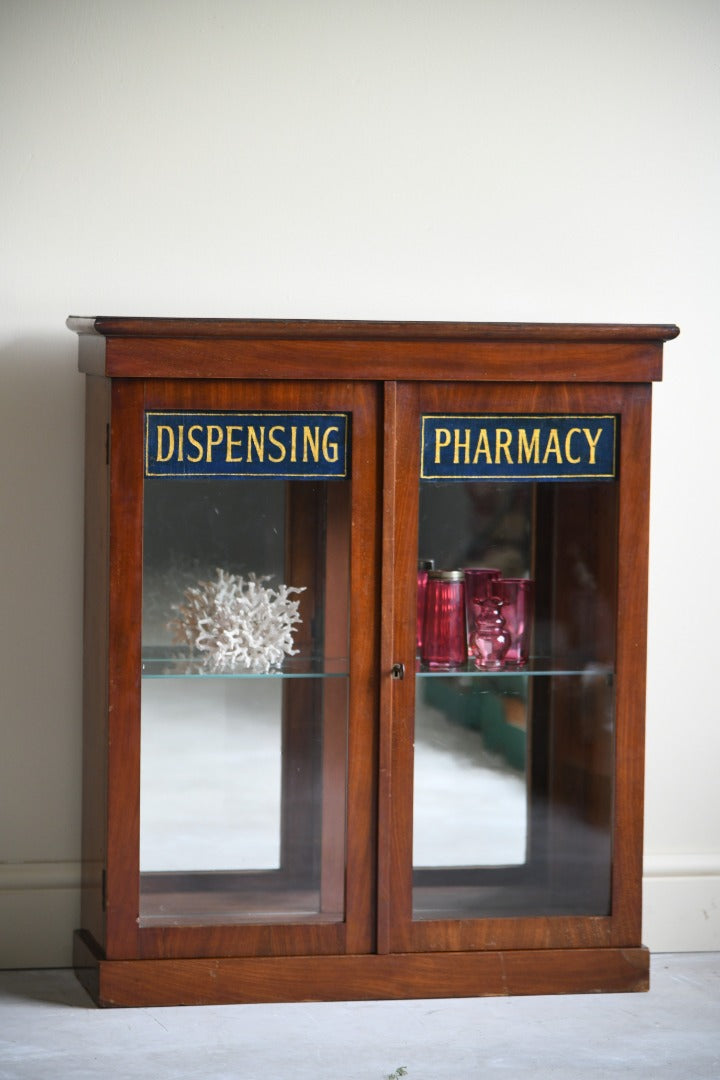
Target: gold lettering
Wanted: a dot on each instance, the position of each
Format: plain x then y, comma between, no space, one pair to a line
276,442
503,438
592,443
214,438
194,442
257,443
171,442
463,444
530,451
232,443
553,447
442,439
330,449
313,442
293,443
568,440
483,447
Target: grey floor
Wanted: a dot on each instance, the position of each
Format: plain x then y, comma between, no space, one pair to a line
49,1028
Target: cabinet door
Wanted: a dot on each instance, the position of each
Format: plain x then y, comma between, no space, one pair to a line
513,789
242,714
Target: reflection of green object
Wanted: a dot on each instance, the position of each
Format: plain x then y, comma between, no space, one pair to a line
503,738
482,709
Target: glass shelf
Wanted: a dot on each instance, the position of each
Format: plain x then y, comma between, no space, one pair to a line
176,663
536,667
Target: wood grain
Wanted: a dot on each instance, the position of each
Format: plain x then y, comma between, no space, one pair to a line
95,649
542,930
385,374
359,329
124,938
362,978
125,593
317,349
631,663
458,361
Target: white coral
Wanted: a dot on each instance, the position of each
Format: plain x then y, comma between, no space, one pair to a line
238,622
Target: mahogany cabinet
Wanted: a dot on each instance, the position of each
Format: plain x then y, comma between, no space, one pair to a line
358,819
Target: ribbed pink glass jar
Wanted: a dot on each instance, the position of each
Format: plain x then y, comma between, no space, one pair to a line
444,642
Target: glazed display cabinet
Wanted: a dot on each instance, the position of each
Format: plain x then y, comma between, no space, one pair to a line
365,623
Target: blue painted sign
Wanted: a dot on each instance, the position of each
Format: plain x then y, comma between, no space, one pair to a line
518,447
282,446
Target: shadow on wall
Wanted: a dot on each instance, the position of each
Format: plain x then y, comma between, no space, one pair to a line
41,538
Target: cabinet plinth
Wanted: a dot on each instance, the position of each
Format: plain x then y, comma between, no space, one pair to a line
364,693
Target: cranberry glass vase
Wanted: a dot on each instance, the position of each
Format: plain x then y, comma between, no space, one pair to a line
479,582
490,638
517,595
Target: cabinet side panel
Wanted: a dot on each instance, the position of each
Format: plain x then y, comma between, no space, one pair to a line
631,665
95,649
125,614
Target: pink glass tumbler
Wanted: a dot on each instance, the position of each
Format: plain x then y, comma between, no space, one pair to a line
517,595
444,642
478,587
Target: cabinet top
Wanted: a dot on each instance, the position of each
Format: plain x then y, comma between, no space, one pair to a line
367,330
143,347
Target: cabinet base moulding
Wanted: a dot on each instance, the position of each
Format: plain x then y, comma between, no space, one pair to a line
254,980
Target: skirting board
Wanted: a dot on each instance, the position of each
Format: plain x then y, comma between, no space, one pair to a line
40,906
681,903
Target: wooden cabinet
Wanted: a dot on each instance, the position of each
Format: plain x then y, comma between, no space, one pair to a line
346,819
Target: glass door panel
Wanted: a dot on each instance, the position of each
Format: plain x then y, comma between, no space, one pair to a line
513,776
244,704
470,790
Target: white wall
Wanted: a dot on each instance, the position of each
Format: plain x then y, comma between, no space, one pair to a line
480,160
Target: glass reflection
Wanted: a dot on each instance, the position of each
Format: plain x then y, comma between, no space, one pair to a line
469,775
243,769
514,764
471,737
210,774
